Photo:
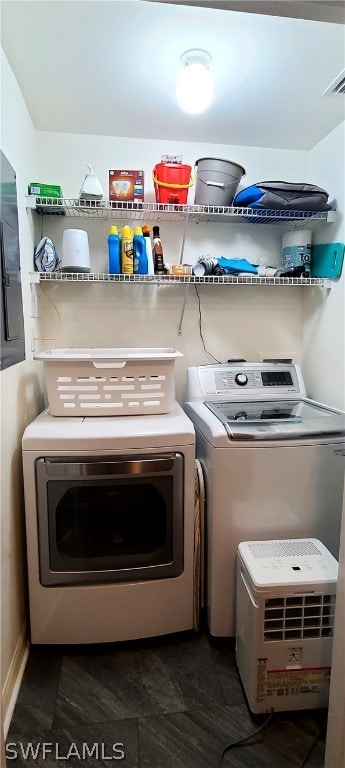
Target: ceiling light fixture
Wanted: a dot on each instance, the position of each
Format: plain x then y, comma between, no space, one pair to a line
194,85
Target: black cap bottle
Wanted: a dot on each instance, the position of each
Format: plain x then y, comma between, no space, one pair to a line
157,252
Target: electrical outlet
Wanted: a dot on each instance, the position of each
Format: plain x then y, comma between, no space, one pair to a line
294,656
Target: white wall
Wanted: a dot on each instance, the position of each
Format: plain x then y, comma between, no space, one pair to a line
323,344
335,744
63,156
236,321
324,370
21,400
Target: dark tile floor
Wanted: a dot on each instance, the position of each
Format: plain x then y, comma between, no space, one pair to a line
172,702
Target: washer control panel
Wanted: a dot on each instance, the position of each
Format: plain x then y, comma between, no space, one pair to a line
249,379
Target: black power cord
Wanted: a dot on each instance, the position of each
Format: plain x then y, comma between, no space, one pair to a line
200,328
238,743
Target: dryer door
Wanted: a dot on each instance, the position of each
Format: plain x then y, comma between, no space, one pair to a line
110,519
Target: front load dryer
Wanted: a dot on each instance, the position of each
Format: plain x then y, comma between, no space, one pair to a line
109,506
273,462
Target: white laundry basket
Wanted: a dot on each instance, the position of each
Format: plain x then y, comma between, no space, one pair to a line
109,382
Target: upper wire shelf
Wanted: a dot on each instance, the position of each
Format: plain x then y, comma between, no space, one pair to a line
99,277
121,211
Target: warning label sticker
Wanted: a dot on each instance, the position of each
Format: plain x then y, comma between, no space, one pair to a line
289,682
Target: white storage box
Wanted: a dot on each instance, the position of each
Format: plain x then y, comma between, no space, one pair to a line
109,382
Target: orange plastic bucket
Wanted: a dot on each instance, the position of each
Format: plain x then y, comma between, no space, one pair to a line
171,182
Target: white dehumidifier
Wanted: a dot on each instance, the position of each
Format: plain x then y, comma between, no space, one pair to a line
285,621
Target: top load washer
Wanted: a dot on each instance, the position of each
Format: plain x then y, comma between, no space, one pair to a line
273,462
109,505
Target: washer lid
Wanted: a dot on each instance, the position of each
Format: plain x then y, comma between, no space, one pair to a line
277,420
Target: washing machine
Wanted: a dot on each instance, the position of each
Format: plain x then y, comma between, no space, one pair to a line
273,464
109,505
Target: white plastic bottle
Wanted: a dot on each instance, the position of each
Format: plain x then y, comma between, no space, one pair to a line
150,265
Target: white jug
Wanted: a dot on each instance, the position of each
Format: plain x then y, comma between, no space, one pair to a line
75,251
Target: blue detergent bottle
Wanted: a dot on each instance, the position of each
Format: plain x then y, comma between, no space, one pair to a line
114,250
140,263
150,266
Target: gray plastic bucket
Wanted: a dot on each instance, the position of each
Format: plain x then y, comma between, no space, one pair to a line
216,181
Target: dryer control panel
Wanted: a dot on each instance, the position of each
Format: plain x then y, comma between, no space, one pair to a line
252,380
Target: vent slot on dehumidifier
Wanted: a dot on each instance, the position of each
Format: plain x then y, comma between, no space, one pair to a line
337,87
264,549
299,616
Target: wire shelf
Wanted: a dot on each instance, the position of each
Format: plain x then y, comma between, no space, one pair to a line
122,211
99,277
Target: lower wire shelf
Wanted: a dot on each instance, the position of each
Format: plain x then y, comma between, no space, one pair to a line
99,277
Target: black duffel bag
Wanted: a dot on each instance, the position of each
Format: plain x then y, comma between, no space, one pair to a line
281,195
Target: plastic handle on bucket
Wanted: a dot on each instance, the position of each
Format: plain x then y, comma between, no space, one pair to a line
173,186
109,365
218,183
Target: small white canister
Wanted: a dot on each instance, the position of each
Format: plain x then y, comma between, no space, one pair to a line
296,249
75,251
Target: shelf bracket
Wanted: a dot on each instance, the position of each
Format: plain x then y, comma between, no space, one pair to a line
184,236
181,262
34,301
183,311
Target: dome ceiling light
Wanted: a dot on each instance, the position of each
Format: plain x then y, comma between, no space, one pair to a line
194,85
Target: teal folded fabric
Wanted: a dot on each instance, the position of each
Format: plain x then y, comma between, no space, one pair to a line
232,266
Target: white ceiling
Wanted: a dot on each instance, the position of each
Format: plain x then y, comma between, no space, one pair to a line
109,67
320,10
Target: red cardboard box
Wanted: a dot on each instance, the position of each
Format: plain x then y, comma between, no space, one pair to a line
126,185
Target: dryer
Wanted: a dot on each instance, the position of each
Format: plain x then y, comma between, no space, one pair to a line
273,462
109,505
